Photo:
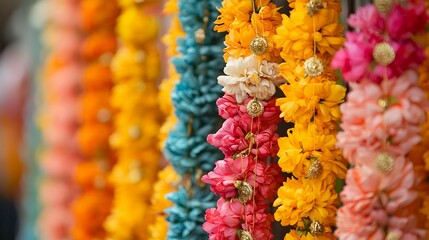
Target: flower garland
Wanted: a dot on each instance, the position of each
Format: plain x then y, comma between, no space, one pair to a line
246,178
308,38
136,70
58,119
168,179
381,121
95,200
194,99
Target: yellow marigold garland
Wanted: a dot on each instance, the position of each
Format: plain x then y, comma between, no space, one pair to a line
136,69
308,39
167,178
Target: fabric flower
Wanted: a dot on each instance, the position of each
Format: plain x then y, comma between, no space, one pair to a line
246,77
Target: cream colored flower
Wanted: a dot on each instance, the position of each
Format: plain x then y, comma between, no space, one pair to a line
249,77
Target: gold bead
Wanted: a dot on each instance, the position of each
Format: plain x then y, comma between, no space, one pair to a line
200,36
385,162
392,236
99,182
106,58
134,132
313,7
199,173
313,67
245,191
315,169
135,173
103,115
384,54
245,235
382,103
140,56
254,108
316,229
383,6
259,45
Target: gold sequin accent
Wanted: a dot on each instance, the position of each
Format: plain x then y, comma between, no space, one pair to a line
259,45
245,191
254,108
384,54
313,67
316,229
315,169
313,7
200,36
245,235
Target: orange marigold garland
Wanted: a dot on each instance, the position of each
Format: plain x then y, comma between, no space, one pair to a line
94,203
308,38
136,69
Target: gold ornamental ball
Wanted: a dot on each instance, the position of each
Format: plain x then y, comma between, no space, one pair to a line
313,7
134,132
245,191
200,36
315,169
103,115
255,108
313,67
245,235
259,45
383,103
316,229
385,162
392,236
383,6
384,54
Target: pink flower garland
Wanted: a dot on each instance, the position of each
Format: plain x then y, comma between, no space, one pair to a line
239,131
59,119
381,124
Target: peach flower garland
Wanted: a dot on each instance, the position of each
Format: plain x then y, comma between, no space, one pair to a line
62,77
381,123
307,202
95,199
246,178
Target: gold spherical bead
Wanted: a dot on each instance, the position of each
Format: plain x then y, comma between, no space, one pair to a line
245,191
200,36
313,7
384,54
255,108
392,236
134,132
383,6
259,45
316,229
103,115
245,235
313,67
385,162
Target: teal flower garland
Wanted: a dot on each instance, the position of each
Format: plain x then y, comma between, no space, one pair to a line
194,99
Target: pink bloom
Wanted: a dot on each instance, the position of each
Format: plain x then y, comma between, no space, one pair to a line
368,19
264,179
55,193
406,21
224,221
366,123
372,199
54,223
231,138
229,108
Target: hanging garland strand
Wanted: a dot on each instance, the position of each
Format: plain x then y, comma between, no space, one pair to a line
381,122
168,179
136,70
308,38
194,100
246,178
95,200
61,77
